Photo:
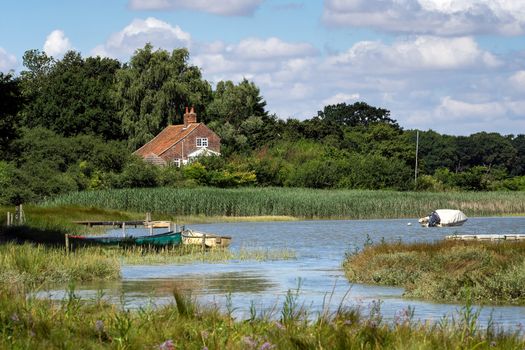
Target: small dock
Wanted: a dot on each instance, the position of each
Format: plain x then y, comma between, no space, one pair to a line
111,223
487,237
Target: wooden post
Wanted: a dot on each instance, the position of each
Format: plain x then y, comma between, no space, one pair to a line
148,217
123,229
67,243
203,242
151,229
8,217
22,218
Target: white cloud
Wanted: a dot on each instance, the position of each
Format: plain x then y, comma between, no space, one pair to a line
271,48
452,109
138,33
57,44
223,7
437,17
340,98
420,53
517,80
7,61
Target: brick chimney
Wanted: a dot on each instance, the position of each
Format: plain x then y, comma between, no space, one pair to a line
189,117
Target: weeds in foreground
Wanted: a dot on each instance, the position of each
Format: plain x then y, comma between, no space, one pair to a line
72,323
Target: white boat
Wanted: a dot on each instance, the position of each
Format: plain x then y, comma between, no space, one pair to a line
444,218
192,237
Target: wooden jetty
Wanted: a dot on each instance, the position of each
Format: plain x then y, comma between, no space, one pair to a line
487,237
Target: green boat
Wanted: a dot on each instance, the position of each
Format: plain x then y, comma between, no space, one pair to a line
170,238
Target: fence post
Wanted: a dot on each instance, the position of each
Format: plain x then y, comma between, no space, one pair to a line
67,243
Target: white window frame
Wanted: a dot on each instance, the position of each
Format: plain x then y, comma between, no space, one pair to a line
202,142
177,162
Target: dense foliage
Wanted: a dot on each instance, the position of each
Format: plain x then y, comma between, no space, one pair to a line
448,271
71,124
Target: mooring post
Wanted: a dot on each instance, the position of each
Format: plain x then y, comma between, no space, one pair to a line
67,243
150,229
203,242
123,229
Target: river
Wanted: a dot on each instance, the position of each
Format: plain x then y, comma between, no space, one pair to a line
315,273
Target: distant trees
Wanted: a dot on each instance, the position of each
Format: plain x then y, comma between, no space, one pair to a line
10,105
71,96
72,124
359,113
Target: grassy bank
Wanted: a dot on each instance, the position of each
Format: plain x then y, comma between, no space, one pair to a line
27,323
445,271
29,266
295,202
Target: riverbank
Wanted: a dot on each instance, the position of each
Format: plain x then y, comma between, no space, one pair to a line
31,323
294,202
446,271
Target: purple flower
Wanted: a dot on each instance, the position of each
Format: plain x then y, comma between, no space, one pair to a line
15,318
205,334
267,346
279,325
167,345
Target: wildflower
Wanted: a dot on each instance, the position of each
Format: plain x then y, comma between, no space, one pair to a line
205,348
279,325
205,334
99,326
167,345
267,346
249,341
15,318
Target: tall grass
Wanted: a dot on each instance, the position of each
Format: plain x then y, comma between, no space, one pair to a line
487,272
307,203
27,323
30,266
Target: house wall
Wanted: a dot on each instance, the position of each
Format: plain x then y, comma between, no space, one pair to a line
189,144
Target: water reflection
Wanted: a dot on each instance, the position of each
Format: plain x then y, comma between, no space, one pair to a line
320,247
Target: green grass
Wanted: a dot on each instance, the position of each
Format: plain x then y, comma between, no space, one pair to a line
31,266
488,272
294,202
30,323
190,254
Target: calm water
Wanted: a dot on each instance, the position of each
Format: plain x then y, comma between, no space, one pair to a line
320,247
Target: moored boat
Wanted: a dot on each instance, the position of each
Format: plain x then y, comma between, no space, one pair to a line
444,218
192,237
170,238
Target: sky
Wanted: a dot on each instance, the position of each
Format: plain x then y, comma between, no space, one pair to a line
454,66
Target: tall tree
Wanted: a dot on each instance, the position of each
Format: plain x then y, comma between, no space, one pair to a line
10,103
357,114
153,90
238,116
71,96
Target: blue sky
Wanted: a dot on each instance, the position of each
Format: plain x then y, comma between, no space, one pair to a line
454,66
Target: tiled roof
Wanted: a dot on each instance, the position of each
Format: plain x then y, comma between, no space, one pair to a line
171,135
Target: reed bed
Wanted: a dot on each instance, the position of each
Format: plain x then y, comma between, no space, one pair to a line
30,323
295,202
488,272
190,254
30,266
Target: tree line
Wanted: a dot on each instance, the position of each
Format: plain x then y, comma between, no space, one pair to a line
73,123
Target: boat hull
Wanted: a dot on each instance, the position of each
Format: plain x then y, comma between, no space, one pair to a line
158,240
190,237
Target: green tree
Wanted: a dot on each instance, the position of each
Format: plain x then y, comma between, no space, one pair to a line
153,90
10,104
71,96
359,113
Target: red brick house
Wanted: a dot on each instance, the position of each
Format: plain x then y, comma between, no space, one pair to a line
180,144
